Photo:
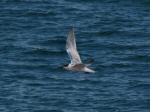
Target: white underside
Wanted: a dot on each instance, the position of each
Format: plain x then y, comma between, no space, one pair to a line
84,69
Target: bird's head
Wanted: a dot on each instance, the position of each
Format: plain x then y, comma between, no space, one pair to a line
65,65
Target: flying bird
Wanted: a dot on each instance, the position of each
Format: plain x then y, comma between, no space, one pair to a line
76,63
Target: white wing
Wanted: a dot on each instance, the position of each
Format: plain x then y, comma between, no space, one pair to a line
72,49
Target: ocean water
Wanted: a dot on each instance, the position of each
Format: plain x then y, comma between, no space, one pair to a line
115,33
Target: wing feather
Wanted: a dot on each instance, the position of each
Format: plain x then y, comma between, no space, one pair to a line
72,49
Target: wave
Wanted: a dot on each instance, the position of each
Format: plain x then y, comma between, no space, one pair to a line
45,52
39,13
139,58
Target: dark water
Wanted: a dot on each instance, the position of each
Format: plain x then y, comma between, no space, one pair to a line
116,34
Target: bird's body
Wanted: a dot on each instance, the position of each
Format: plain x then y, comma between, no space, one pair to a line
76,63
79,67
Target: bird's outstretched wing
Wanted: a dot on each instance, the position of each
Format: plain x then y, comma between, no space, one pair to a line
72,49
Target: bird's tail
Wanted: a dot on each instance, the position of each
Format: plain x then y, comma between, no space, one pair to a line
86,69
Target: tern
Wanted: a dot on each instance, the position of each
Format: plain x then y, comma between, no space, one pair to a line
76,63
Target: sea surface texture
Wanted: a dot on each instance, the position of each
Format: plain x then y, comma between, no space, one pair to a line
115,34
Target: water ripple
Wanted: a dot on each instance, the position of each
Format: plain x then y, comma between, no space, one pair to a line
115,34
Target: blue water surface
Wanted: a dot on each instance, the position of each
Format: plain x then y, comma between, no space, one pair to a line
115,33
